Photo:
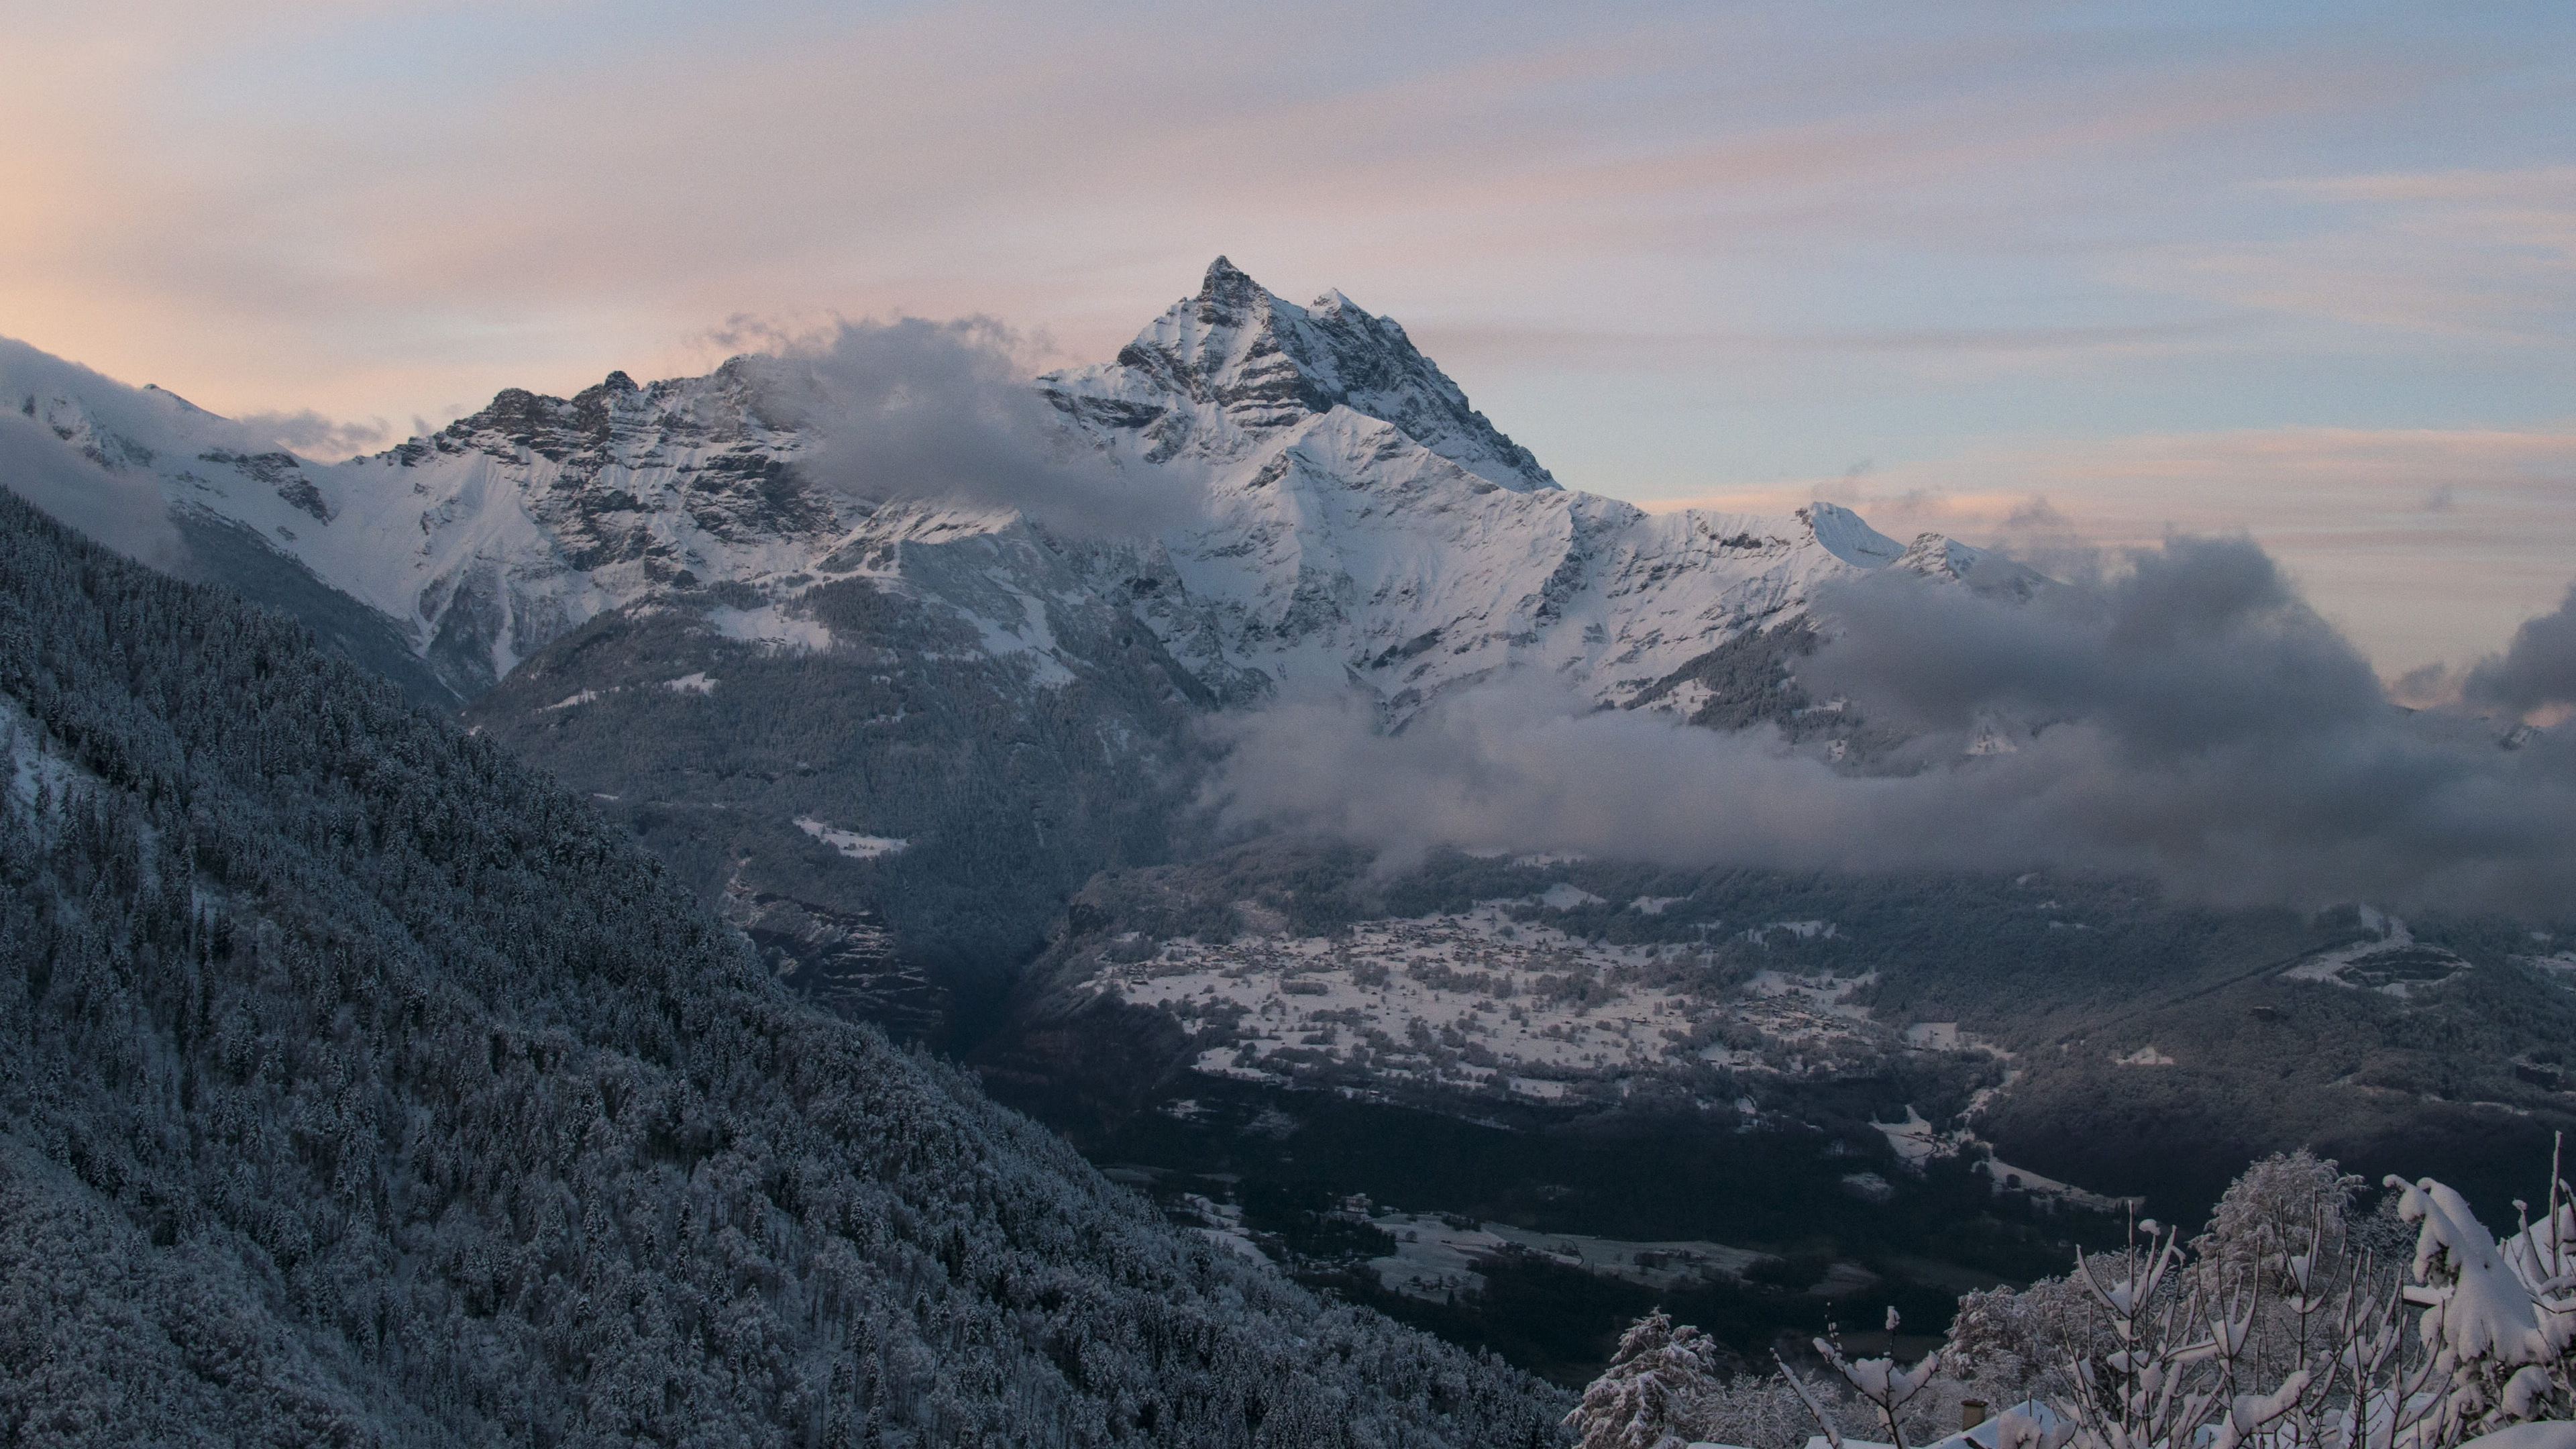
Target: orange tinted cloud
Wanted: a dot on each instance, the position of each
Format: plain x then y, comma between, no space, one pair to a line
388,208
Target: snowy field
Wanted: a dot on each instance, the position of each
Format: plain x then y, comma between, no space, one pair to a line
850,842
2394,965
1480,1000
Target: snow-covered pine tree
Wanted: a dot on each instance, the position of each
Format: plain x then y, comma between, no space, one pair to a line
1654,1393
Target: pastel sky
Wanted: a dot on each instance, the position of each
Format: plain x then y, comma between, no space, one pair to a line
2307,270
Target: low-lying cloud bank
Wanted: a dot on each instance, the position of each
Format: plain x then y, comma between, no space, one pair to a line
943,412
2188,718
109,497
2536,673
78,444
123,511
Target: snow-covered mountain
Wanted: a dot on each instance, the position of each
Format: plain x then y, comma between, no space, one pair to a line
1366,525
685,600
1363,523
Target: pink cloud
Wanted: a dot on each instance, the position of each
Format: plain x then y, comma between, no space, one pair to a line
481,225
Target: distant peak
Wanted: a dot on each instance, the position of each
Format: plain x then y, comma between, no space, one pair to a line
1270,364
184,404
1228,285
1848,537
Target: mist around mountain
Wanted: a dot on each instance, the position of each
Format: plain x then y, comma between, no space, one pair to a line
1254,760
877,582
362,1086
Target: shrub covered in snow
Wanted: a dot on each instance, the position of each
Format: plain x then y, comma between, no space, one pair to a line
2278,1327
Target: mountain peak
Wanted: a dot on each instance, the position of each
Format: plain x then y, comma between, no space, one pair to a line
1846,536
1225,279
1228,297
1264,364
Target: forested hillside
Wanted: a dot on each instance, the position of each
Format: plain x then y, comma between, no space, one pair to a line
361,1087
986,802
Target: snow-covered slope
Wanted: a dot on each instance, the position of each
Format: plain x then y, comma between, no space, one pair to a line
1366,525
1362,522
478,544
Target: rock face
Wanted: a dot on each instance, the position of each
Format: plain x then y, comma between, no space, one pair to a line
1014,701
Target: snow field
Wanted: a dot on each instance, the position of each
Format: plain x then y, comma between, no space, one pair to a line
1478,1000
2394,965
850,842
772,626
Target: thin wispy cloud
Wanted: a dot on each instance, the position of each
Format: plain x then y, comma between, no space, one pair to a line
2483,254
1656,350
